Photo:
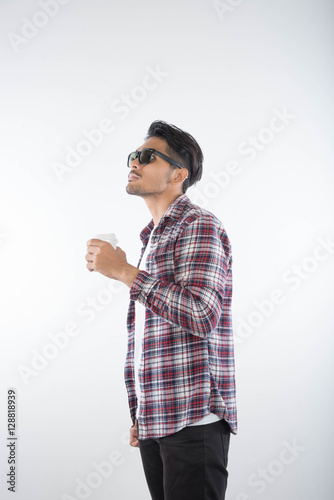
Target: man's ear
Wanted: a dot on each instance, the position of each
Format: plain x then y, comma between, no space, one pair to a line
180,175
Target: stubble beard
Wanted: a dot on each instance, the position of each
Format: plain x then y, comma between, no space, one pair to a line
132,189
137,191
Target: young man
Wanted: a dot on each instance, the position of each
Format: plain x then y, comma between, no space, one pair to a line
179,369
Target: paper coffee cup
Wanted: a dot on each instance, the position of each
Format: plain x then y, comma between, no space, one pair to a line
110,238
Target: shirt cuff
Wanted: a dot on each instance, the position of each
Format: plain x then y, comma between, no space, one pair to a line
141,287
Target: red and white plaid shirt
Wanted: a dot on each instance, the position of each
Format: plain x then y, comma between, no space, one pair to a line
187,365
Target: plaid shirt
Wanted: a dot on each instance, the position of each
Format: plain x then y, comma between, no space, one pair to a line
187,364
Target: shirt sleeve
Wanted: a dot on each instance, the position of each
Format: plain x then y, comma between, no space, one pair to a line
202,261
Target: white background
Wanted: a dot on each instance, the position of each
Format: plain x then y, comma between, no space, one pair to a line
224,74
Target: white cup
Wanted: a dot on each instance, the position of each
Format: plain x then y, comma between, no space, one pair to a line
110,238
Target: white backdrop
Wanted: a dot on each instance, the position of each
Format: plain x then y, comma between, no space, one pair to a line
81,81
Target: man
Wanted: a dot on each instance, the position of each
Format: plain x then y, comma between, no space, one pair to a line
179,368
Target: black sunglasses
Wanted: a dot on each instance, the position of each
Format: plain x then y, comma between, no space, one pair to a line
146,155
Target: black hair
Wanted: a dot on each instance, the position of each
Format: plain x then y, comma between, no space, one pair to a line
182,147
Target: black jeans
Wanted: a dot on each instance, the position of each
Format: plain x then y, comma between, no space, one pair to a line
188,465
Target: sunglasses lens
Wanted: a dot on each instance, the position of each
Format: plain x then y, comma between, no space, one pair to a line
145,156
132,156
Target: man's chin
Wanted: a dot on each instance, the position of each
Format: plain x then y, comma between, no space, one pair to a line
136,191
130,189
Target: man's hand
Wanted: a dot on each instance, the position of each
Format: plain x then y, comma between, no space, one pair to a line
102,257
134,436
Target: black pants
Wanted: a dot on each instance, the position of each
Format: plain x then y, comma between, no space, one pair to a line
188,465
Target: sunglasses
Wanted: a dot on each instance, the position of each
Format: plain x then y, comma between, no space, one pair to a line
145,156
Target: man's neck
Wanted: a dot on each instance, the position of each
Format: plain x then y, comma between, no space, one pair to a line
159,206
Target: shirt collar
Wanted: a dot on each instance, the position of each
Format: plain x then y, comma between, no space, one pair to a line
173,212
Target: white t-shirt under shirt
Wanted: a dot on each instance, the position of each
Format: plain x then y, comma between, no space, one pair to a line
139,336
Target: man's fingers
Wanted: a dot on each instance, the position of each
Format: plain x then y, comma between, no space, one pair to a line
93,249
95,242
134,442
103,258
88,257
134,436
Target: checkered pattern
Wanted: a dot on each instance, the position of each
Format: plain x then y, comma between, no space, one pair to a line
187,365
